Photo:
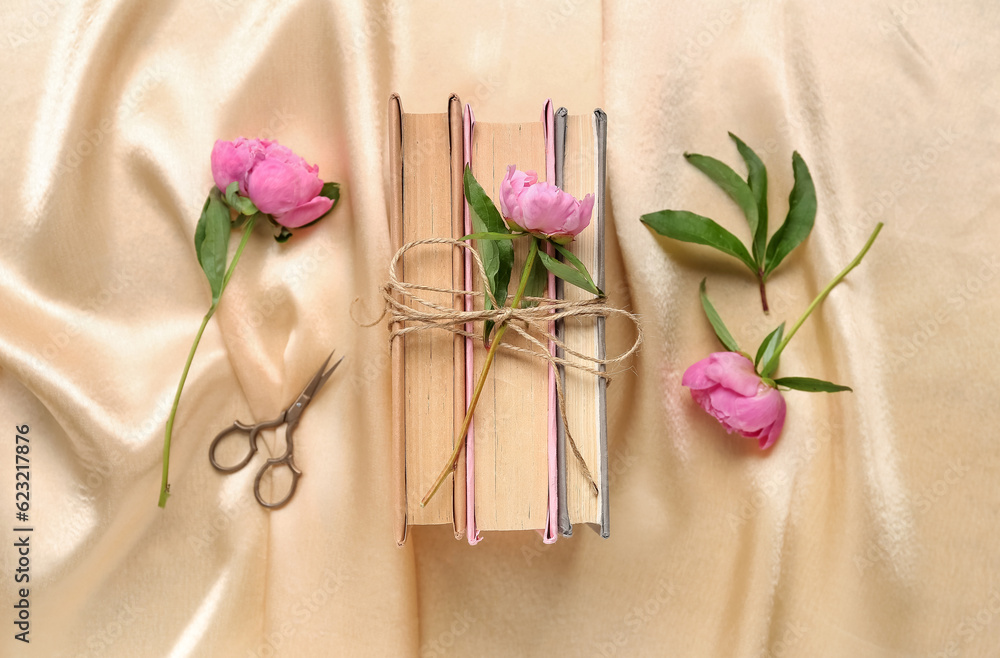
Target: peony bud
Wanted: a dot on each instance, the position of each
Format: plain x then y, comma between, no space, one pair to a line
278,182
542,208
726,386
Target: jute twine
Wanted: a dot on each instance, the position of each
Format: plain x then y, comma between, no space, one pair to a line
407,315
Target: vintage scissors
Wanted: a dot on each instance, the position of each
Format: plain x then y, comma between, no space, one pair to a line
290,418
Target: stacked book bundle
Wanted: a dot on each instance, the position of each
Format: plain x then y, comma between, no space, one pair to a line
515,470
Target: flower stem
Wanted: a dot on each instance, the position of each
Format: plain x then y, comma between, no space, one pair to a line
164,484
460,441
247,229
763,291
821,296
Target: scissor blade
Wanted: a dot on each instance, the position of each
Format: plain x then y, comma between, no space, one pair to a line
326,375
320,378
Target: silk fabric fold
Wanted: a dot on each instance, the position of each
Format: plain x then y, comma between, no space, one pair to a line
869,529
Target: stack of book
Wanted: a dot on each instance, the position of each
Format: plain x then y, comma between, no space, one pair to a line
515,471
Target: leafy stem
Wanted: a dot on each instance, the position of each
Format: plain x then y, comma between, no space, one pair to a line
772,362
164,483
763,255
460,439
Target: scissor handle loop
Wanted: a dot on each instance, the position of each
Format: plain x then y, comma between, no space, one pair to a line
252,432
286,460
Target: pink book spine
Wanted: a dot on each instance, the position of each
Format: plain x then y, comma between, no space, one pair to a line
472,530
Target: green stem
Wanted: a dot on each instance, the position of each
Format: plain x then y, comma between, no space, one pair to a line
822,295
460,442
247,229
763,290
164,484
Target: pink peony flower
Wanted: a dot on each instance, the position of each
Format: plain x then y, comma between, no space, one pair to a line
542,208
726,386
232,161
278,182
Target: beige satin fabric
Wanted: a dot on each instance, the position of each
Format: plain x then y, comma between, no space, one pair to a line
868,530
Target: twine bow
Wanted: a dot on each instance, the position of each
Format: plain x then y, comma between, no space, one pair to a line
403,305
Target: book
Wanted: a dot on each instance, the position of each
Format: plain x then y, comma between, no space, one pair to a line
580,170
428,367
510,437
513,473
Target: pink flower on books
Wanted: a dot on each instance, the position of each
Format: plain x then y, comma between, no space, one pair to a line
276,180
726,386
542,208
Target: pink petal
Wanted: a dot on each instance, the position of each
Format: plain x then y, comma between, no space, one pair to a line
231,161
724,403
758,412
735,372
306,213
546,208
583,216
277,187
695,376
774,431
514,184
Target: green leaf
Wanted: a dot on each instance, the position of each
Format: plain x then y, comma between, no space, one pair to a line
800,219
810,385
757,179
766,351
240,204
718,325
537,286
493,236
331,191
689,227
731,183
497,255
211,241
575,262
569,274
